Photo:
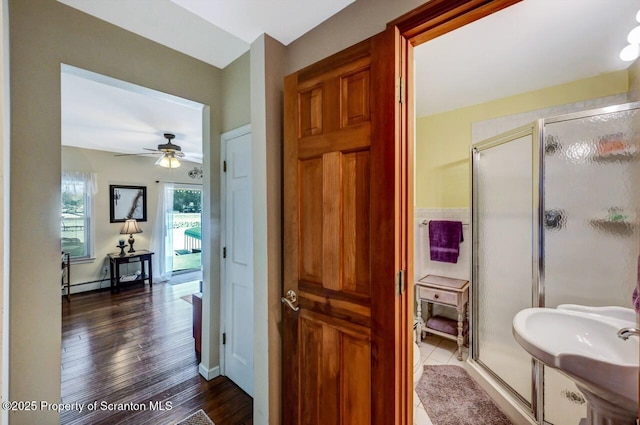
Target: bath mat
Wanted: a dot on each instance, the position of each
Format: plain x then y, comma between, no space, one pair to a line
198,418
451,397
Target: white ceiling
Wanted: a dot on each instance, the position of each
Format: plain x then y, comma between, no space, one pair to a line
531,45
215,31
528,46
248,19
106,114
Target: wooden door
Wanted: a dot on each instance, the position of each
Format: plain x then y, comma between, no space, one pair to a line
346,350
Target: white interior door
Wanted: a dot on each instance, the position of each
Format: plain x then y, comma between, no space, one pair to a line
238,262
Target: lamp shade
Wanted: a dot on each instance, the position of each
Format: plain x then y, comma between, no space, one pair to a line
168,161
130,227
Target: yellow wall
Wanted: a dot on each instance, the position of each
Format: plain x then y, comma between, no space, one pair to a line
443,140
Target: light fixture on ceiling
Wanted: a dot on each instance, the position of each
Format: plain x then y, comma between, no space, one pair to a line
634,36
168,160
170,153
632,50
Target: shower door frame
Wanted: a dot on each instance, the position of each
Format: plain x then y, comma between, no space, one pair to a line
533,129
537,130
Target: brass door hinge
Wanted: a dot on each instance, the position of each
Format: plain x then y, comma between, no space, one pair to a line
400,284
400,89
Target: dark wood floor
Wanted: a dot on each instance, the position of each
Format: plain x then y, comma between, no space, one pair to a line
135,348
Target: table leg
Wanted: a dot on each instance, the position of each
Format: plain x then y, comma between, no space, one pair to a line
419,320
460,329
112,272
150,272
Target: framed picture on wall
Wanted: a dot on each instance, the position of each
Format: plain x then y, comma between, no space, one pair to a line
127,202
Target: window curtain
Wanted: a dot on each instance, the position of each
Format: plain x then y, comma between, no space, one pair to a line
84,184
161,240
76,181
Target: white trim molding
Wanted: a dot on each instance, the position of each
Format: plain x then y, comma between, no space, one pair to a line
209,374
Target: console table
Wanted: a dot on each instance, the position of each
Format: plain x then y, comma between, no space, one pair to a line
448,292
141,256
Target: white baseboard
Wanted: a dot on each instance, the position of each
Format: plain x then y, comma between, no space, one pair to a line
77,288
209,374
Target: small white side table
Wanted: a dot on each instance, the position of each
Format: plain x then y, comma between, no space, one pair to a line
443,291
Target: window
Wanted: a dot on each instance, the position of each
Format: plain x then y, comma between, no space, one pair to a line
78,189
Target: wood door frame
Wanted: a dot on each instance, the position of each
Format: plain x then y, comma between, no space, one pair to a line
418,26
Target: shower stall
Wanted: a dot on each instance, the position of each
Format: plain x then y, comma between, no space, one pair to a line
555,221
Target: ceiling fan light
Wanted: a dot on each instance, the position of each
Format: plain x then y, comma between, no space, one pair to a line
634,36
630,53
168,161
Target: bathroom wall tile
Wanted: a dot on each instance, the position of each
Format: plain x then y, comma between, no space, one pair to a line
422,262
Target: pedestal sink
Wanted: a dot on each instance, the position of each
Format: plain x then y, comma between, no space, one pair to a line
586,348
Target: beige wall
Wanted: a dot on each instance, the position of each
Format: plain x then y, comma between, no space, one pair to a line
4,205
124,170
236,94
443,140
356,22
44,34
267,74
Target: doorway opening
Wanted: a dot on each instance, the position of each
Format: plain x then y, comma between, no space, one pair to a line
186,225
123,151
454,112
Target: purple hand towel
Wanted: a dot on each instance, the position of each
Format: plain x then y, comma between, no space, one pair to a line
444,240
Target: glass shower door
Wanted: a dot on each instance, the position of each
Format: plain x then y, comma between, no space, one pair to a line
503,263
591,187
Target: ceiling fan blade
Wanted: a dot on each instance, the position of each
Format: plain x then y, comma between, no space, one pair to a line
134,154
179,154
152,150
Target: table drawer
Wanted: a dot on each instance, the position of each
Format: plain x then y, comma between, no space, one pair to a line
438,296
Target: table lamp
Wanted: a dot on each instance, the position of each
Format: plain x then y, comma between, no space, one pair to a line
130,227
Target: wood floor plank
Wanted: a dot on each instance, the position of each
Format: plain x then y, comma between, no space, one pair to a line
135,350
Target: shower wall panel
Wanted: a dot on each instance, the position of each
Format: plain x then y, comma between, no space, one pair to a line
591,233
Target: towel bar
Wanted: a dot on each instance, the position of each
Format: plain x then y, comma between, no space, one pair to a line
426,222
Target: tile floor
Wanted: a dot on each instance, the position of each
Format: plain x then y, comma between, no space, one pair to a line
435,350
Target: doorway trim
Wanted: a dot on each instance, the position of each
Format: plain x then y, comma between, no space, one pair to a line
418,26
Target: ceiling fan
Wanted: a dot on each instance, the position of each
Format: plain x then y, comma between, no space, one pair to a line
170,153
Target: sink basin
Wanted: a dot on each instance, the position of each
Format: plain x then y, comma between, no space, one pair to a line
614,312
585,347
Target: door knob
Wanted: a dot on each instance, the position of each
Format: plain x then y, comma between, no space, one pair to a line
289,299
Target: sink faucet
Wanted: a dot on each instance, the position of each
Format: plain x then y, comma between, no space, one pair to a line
625,333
